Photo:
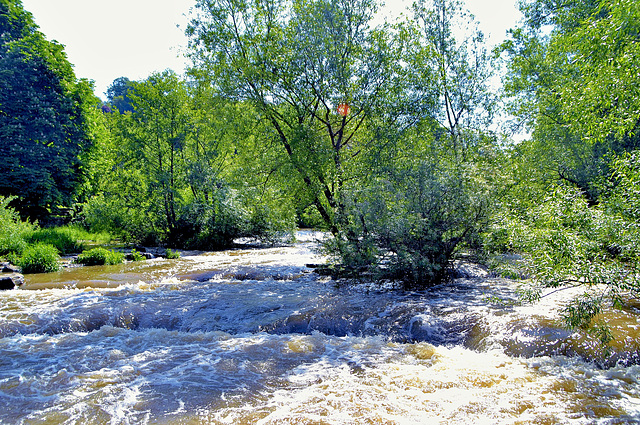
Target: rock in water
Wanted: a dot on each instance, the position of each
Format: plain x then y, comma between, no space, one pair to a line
9,268
10,281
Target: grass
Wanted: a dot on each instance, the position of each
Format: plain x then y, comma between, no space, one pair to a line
62,238
100,256
39,258
68,239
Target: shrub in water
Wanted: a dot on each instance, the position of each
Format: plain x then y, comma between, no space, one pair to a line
409,225
39,258
100,256
172,255
136,256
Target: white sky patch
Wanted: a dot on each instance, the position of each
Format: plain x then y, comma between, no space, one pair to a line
134,38
118,38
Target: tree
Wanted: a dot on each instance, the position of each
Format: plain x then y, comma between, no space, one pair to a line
118,94
576,85
460,70
43,128
605,102
367,119
162,122
170,170
432,194
296,62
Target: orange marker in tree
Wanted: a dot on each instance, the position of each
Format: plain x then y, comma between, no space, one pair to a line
344,109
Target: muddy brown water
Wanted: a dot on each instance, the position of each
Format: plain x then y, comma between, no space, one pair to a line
256,337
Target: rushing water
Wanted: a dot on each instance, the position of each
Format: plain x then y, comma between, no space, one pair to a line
254,336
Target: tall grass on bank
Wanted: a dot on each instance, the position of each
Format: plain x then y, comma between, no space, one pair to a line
67,239
12,230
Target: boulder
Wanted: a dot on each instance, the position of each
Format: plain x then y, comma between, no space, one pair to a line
9,268
10,281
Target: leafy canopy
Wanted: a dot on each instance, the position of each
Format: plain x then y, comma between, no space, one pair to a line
44,133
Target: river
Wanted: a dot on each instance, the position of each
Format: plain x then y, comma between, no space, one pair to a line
254,336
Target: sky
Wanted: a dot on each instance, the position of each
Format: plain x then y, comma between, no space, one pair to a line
105,40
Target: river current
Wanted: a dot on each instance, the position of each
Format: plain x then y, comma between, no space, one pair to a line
254,336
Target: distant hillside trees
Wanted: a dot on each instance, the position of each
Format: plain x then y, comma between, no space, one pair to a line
119,94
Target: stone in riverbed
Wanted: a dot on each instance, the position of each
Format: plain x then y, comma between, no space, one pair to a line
10,281
9,268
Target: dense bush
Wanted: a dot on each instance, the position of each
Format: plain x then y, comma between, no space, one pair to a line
208,225
226,217
410,225
39,258
130,221
100,256
567,242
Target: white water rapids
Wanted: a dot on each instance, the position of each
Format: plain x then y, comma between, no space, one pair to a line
256,337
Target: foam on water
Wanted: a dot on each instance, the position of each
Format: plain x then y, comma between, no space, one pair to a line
253,336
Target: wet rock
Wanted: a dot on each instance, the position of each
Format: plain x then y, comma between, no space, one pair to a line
463,269
201,276
10,281
9,268
147,256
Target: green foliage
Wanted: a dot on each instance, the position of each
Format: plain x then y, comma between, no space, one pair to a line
429,193
172,255
208,226
179,171
64,239
136,256
39,258
410,224
12,230
604,49
576,88
458,67
118,94
121,215
572,80
43,128
100,256
567,243
623,197
295,62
